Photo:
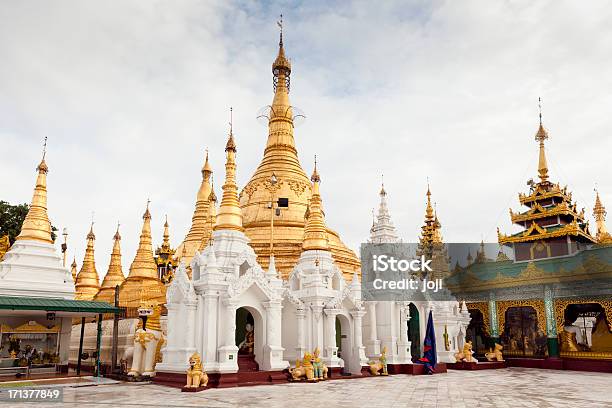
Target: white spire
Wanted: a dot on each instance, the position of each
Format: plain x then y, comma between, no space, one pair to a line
383,231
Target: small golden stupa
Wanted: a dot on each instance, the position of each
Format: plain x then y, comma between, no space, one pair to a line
315,233
114,276
201,225
281,160
87,282
229,216
143,281
36,226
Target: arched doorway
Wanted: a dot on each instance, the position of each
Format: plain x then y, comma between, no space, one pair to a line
244,317
343,341
414,335
477,333
521,336
249,338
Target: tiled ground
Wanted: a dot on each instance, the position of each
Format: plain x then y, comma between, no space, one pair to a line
512,387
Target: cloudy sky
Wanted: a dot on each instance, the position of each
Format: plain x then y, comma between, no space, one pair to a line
130,93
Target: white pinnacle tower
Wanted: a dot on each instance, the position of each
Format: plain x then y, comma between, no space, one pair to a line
383,231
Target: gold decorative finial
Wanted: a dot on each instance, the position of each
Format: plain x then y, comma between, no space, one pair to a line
44,148
280,25
315,174
231,144
540,137
36,226
383,192
206,169
315,232
230,215
281,68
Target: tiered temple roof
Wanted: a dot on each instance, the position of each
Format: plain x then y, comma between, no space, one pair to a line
552,226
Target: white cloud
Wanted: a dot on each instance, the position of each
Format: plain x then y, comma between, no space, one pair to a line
131,93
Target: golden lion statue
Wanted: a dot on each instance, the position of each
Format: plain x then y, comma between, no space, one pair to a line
381,364
303,368
495,355
196,376
465,354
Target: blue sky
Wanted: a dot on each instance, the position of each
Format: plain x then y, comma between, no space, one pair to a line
130,93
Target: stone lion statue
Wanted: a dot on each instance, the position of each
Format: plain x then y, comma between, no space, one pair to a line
466,354
196,376
495,354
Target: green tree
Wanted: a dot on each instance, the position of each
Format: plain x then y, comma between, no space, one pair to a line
11,220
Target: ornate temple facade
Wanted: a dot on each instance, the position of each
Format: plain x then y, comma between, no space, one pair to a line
231,296
552,296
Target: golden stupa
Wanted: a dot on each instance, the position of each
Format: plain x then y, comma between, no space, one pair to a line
87,283
114,276
142,283
281,160
201,221
36,226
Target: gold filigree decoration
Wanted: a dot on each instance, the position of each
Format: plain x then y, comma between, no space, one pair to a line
483,307
536,304
249,189
568,229
297,186
273,188
562,304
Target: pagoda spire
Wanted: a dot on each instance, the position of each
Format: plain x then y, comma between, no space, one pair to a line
230,215
315,232
599,212
199,221
166,237
114,275
143,283
143,265
430,231
87,282
383,230
36,226
280,119
540,137
73,269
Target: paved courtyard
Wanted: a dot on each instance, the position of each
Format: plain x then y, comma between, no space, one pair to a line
512,387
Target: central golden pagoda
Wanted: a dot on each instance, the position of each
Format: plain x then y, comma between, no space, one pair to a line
281,160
